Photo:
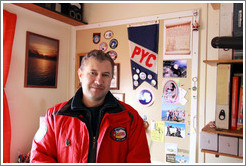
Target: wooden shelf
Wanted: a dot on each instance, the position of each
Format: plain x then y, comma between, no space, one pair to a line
223,61
217,154
50,13
211,129
236,133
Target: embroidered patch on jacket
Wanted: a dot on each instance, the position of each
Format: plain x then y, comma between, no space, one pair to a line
118,134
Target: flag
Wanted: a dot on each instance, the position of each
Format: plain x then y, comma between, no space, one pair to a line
143,41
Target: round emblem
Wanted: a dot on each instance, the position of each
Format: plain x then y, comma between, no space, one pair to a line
113,43
135,83
118,134
108,34
137,71
112,54
135,77
153,82
146,97
103,46
142,76
96,38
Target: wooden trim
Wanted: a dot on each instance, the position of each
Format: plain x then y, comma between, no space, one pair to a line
215,6
49,13
217,154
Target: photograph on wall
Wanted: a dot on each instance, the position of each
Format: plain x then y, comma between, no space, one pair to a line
172,112
175,69
41,66
170,92
175,129
181,159
177,38
171,152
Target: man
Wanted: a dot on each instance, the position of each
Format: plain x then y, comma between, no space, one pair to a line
93,126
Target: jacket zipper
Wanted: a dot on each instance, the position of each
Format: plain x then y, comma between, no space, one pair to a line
94,143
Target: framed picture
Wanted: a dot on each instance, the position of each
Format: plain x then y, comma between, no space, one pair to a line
119,96
178,38
41,66
115,81
79,57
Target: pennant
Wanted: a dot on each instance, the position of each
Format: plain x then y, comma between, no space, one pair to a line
143,41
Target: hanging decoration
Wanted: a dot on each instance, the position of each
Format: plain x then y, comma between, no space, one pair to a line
146,97
143,40
96,37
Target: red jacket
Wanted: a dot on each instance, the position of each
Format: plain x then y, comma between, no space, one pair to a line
67,137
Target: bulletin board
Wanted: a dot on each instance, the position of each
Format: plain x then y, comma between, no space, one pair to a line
170,85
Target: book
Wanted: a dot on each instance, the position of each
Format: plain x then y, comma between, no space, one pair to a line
240,106
234,102
222,113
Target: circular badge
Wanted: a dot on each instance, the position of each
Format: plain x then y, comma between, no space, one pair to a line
135,77
153,82
146,97
112,54
118,134
113,43
142,76
96,38
108,34
137,70
103,46
135,83
150,76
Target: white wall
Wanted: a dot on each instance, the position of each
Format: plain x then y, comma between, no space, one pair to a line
26,105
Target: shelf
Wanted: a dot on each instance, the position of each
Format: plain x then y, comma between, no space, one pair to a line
217,154
236,133
223,61
50,13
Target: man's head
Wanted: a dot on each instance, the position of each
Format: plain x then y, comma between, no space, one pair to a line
98,55
95,75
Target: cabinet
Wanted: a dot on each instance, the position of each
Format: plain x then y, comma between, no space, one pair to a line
50,13
209,127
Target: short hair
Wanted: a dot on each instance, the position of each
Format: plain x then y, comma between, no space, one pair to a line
98,55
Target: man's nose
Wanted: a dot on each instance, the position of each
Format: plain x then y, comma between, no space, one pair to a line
99,79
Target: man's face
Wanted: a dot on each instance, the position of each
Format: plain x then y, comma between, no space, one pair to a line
95,78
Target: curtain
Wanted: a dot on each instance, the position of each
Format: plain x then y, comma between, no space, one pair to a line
9,23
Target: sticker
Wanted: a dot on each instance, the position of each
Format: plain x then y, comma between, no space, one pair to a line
96,37
112,54
41,132
153,82
108,34
146,97
135,77
118,134
103,46
142,76
113,43
135,83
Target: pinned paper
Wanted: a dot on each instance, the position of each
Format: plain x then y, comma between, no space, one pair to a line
157,134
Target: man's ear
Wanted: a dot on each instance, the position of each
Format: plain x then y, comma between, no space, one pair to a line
80,73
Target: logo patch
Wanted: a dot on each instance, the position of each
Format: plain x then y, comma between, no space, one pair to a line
118,134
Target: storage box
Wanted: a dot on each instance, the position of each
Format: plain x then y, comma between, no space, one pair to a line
228,145
240,147
209,141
